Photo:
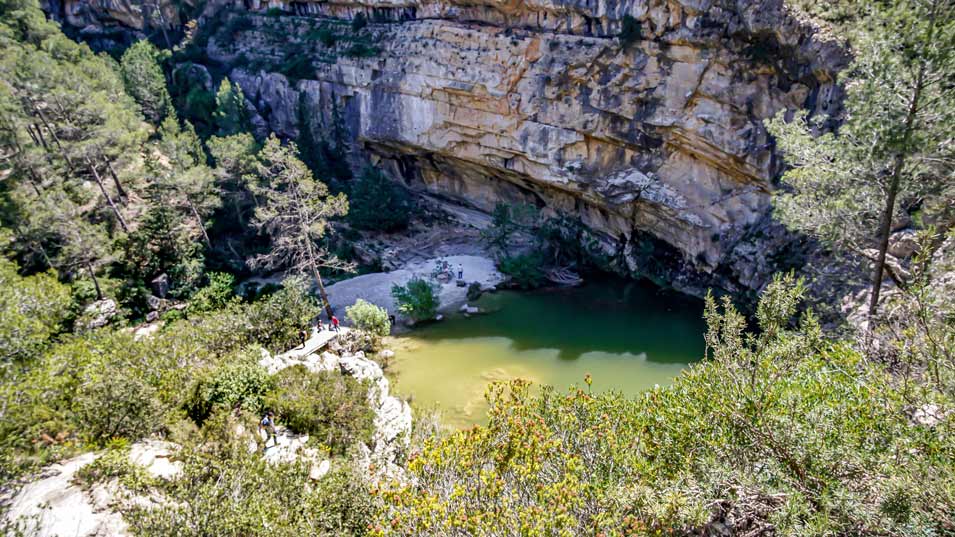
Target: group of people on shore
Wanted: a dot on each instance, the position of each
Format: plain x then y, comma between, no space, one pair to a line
333,324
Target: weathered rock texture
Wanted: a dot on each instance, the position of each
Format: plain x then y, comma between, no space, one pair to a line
655,142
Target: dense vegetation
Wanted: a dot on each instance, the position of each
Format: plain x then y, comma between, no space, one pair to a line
136,189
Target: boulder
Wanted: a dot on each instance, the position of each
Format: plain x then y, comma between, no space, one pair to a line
903,244
100,313
160,285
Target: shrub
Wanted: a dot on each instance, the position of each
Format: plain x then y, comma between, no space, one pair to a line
474,291
369,318
630,31
214,296
377,203
507,219
359,22
241,383
524,270
32,310
327,406
297,65
418,299
116,403
239,493
362,50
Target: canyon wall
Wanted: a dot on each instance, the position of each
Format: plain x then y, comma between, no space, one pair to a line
656,140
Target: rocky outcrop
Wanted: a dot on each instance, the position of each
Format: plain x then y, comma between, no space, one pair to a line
392,424
110,24
55,505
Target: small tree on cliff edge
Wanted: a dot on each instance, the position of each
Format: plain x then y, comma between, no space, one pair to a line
293,211
894,149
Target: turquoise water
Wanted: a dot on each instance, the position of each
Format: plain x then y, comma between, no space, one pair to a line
627,335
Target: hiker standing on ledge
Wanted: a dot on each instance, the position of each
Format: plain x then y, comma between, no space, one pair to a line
302,336
268,425
334,323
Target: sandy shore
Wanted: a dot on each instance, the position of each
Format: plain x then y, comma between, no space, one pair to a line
376,288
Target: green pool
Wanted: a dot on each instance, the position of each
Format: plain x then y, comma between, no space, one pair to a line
627,335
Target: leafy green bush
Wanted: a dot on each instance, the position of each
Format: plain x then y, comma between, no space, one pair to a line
32,311
214,296
377,203
242,383
369,318
328,406
239,493
418,299
116,404
630,31
474,291
524,270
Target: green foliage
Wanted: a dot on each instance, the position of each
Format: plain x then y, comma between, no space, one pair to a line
33,310
369,318
890,155
297,65
778,428
506,221
377,203
239,383
474,291
418,299
524,270
230,116
233,492
362,50
116,404
214,296
144,80
359,22
158,246
630,31
293,210
105,383
114,463
328,406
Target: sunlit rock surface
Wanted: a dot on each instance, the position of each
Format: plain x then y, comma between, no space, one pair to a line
657,146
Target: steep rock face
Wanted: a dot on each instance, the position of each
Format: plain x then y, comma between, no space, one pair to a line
658,142
108,24
663,137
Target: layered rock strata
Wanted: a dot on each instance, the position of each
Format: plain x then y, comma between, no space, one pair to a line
654,140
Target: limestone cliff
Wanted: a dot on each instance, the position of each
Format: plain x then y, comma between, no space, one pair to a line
657,141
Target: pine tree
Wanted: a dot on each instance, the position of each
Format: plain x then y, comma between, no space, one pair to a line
144,80
293,211
894,148
186,181
230,116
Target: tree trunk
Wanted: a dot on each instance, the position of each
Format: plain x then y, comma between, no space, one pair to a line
202,227
56,139
119,186
99,293
109,200
885,226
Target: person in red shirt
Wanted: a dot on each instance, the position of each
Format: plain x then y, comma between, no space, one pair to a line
334,323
